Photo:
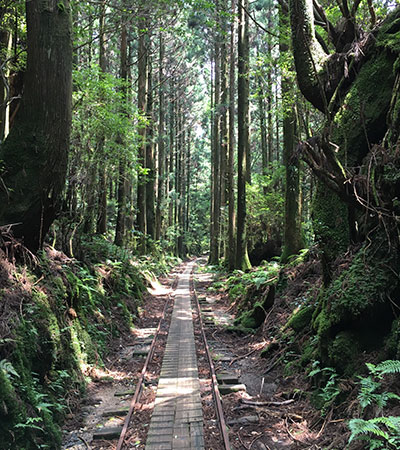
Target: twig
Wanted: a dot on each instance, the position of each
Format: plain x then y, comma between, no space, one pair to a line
290,434
250,402
274,362
83,440
255,439
244,445
327,419
244,356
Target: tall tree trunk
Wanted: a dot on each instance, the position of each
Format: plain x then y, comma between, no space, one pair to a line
224,138
188,178
263,127
102,191
231,256
121,196
292,236
161,141
36,150
172,108
150,177
142,90
5,46
215,158
270,134
242,259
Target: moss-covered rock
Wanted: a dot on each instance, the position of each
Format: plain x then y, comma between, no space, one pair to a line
355,313
301,318
343,352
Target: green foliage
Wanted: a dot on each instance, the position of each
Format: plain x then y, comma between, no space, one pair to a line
265,206
386,429
324,397
380,432
239,282
383,368
70,314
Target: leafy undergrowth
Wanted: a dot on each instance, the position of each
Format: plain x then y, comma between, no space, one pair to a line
57,317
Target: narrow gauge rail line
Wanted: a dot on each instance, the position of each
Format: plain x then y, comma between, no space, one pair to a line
214,381
138,391
217,401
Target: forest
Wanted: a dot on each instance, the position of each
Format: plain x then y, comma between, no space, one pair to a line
262,136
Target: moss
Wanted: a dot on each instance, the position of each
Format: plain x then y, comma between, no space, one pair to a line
331,229
343,352
301,318
364,109
308,354
392,342
68,319
11,411
362,286
357,300
253,318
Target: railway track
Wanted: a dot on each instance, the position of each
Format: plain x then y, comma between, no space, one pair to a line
177,417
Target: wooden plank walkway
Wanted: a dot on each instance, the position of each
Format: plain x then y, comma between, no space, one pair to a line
177,420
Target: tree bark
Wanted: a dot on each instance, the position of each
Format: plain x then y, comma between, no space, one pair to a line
121,195
142,90
292,236
102,176
5,45
242,259
224,139
215,157
35,153
161,142
231,250
150,177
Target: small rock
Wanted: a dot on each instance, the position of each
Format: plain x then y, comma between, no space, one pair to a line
107,433
229,388
244,420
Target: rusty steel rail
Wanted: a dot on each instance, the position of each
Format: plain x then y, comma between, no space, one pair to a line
217,399
138,390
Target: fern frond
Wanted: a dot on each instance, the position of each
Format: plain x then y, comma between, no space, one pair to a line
391,422
389,366
8,368
362,427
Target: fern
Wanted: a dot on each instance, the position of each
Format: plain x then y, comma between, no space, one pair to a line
369,396
361,426
8,369
379,432
383,368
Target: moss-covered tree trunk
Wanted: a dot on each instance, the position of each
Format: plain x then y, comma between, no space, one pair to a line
35,154
292,234
357,162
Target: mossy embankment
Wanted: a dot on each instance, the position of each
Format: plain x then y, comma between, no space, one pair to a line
351,321
57,318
